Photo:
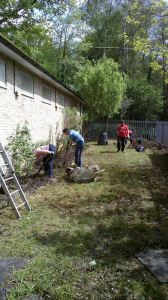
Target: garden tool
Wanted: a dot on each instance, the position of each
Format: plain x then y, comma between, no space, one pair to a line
65,156
44,164
67,148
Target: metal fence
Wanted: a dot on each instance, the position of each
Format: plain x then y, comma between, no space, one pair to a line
142,129
162,132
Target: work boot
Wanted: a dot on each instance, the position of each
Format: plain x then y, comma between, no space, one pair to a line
45,174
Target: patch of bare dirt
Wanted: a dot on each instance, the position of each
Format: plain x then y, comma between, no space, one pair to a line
36,179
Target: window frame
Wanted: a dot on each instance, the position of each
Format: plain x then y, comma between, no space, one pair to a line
3,83
24,92
62,106
48,101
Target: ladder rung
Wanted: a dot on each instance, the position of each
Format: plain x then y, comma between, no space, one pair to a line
4,165
6,179
14,192
20,204
8,166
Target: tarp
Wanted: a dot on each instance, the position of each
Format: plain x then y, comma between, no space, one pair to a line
156,261
88,174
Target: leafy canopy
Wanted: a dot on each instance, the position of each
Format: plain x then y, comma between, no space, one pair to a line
102,87
12,11
146,99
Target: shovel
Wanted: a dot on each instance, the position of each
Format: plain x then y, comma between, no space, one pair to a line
43,164
65,158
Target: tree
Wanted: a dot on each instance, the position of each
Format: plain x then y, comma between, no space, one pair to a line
27,23
16,12
146,99
66,34
151,24
102,87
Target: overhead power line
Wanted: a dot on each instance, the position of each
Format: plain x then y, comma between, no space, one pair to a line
114,48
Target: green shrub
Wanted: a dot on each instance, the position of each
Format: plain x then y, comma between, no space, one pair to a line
72,119
21,146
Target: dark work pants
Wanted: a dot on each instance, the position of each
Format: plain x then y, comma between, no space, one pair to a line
120,143
78,151
48,165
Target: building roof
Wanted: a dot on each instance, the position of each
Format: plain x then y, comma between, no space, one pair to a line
12,51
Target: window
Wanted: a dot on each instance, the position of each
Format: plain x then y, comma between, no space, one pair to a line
61,100
46,94
26,84
2,73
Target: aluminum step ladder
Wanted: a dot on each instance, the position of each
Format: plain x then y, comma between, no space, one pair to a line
3,181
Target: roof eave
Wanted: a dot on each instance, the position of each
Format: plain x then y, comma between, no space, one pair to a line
9,49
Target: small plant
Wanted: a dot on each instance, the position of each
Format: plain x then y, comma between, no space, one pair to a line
20,146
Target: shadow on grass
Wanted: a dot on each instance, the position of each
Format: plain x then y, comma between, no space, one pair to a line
133,222
160,162
131,225
118,241
108,151
127,218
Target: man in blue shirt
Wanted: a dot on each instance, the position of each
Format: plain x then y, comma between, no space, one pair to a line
75,137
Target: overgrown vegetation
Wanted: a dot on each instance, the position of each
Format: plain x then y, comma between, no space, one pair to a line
72,118
20,147
80,239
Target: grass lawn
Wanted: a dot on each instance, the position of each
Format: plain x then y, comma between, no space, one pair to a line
80,239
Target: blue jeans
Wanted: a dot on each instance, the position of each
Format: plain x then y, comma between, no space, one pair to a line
78,151
48,164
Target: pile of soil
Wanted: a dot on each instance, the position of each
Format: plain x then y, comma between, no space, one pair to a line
64,158
32,182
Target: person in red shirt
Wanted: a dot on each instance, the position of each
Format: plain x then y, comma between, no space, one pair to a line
122,133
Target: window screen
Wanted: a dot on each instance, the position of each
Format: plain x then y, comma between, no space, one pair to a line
2,73
26,83
46,93
61,100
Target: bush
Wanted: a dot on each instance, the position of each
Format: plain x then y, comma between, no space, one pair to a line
21,146
72,118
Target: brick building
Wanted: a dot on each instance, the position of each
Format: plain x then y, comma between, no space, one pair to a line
30,93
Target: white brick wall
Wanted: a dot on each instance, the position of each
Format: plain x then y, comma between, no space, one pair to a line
45,121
